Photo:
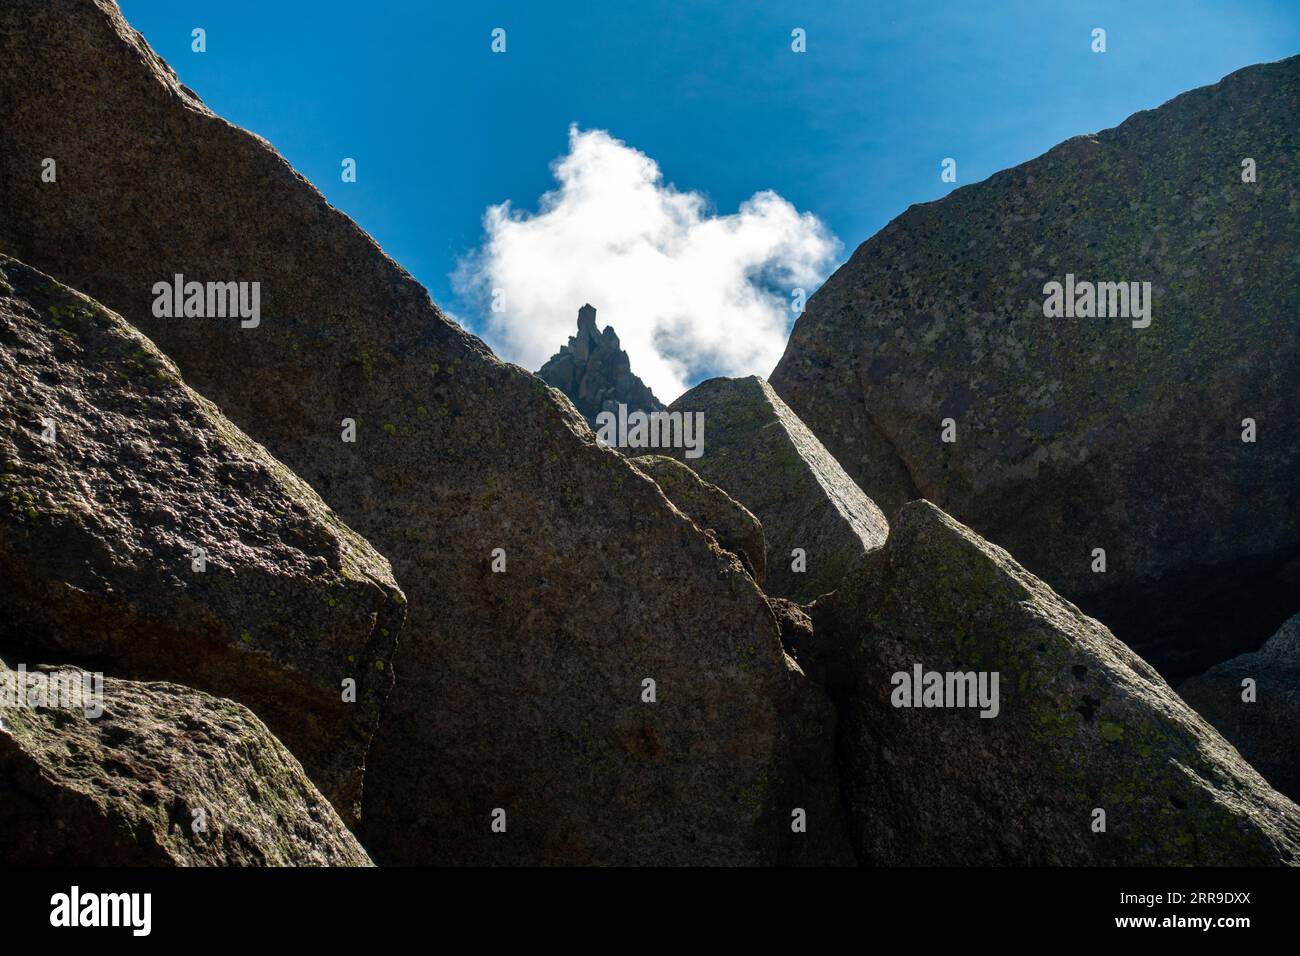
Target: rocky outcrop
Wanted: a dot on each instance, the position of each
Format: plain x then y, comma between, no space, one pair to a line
799,638
164,776
143,534
1261,718
1076,434
595,373
761,454
1078,725
712,509
519,701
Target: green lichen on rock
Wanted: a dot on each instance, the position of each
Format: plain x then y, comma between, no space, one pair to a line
1082,433
147,535
759,452
1082,724
515,703
711,509
165,776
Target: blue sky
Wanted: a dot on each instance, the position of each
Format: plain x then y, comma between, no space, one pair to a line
852,131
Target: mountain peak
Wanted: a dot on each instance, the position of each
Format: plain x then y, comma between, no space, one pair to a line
595,373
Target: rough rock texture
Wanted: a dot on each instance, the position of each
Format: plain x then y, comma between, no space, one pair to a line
98,529
518,690
1267,731
711,509
1083,723
595,373
1083,433
761,454
165,776
798,637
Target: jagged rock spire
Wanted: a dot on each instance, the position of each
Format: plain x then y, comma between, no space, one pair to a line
595,372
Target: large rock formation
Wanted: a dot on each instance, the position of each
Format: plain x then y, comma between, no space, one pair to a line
1075,434
1266,728
712,509
164,776
1077,723
760,453
595,373
143,534
519,691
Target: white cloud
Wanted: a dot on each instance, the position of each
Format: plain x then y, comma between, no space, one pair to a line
690,293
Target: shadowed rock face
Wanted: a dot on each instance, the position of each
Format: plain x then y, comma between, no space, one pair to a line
761,454
712,509
1083,433
1266,730
595,373
101,524
520,690
1082,723
165,776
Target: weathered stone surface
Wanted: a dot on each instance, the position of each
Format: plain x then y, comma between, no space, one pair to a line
519,690
1083,433
761,454
796,625
595,373
165,776
1082,723
1267,731
711,509
99,526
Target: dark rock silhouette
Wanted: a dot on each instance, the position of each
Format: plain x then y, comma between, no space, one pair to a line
595,373
1074,434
